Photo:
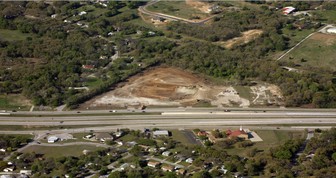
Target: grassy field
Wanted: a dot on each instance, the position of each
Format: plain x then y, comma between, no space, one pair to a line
177,8
93,82
59,151
318,51
11,102
328,16
271,138
12,35
296,36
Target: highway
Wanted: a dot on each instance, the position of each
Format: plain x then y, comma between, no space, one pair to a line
173,118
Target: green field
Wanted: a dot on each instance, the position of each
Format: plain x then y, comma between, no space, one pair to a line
178,9
12,102
317,51
296,36
59,151
12,35
328,16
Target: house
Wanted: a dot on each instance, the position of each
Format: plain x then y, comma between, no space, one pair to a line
52,139
167,168
89,136
181,171
88,66
119,134
26,172
180,157
53,16
151,33
153,164
9,169
119,143
131,144
152,150
288,10
202,133
103,136
161,133
2,150
82,13
238,133
166,153
189,160
85,152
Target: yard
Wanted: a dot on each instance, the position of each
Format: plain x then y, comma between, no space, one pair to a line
317,51
271,138
13,102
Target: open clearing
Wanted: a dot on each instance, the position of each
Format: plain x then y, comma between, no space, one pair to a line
165,86
190,10
12,35
14,101
246,37
318,51
59,151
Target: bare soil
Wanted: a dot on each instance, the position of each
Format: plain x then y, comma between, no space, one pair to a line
328,39
164,86
246,37
202,6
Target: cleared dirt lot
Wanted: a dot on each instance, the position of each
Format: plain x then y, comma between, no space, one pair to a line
164,86
246,37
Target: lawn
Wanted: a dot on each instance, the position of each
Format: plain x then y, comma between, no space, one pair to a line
12,35
13,102
328,16
180,137
271,138
178,9
92,82
318,51
296,36
59,151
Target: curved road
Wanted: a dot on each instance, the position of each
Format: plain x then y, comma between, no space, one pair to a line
143,9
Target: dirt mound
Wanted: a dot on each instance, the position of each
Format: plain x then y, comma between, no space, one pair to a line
167,87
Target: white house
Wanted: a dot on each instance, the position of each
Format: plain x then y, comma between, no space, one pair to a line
189,160
82,13
26,172
166,153
52,139
159,133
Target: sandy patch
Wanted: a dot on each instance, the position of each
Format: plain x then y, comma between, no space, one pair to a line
266,94
246,37
202,6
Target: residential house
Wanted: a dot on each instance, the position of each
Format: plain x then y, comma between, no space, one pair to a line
237,133
166,153
181,171
88,66
167,168
202,133
153,164
52,139
288,10
189,160
160,133
26,172
103,136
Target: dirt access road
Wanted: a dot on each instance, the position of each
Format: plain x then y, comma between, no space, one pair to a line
163,86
